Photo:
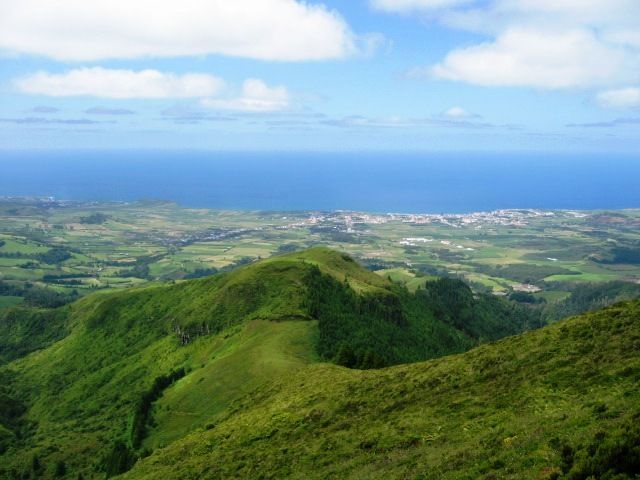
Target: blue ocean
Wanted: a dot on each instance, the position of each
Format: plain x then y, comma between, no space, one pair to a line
376,182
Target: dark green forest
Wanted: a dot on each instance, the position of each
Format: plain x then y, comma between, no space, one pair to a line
375,330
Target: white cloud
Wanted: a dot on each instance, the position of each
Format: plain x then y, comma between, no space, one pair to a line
537,58
458,113
629,38
497,15
256,96
107,83
403,6
82,30
546,44
621,98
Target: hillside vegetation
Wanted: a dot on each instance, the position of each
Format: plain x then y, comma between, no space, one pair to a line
560,402
223,377
590,296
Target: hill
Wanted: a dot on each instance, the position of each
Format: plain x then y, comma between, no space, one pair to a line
561,402
94,386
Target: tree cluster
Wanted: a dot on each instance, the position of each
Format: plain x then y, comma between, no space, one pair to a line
94,219
142,414
53,256
590,296
374,330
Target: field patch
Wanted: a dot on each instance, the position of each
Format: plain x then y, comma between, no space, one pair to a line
9,301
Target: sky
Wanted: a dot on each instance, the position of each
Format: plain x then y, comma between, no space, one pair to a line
348,75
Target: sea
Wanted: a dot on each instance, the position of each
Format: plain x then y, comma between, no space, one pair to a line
383,182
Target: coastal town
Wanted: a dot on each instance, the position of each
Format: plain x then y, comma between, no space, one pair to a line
504,218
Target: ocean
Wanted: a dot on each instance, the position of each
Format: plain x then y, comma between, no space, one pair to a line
375,182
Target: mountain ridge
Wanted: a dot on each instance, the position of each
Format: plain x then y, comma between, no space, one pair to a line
510,409
141,370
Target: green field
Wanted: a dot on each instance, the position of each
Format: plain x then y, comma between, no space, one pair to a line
9,301
141,242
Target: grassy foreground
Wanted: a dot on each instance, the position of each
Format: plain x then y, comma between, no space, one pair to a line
558,402
82,369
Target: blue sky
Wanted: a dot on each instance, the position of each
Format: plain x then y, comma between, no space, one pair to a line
433,75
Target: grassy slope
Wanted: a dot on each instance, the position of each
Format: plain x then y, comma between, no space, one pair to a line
261,352
406,277
264,352
9,301
339,266
502,410
245,381
23,330
83,388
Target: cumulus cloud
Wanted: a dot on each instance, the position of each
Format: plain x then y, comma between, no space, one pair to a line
530,57
494,16
108,83
80,30
621,98
545,44
256,96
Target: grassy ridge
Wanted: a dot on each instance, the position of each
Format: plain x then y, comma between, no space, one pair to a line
257,354
238,337
524,407
83,389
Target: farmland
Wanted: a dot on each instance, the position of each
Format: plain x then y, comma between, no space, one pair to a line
73,248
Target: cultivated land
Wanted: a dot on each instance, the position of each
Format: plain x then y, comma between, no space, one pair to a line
118,245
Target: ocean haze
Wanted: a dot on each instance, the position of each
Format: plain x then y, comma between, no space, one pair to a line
376,182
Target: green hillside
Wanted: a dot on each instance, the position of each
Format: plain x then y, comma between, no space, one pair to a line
189,370
82,391
561,402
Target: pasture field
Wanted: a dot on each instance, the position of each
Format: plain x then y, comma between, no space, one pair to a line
9,301
80,247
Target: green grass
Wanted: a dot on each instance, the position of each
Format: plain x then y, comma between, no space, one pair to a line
232,367
341,267
9,301
583,277
11,262
256,402
504,410
552,295
495,284
20,245
246,330
82,389
405,277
